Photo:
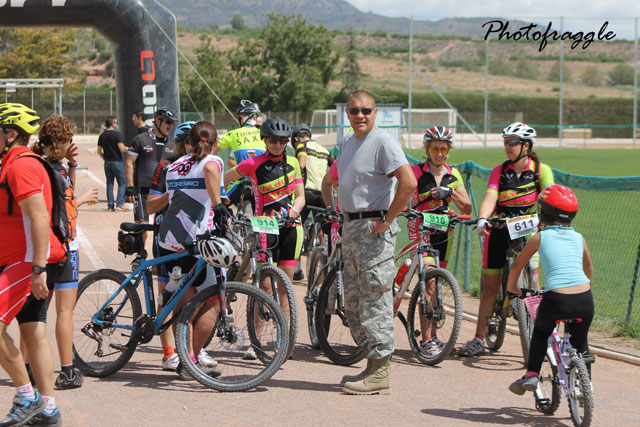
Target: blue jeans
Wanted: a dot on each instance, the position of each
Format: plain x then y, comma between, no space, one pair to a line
114,169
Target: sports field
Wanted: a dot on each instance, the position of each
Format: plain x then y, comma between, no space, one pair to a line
608,219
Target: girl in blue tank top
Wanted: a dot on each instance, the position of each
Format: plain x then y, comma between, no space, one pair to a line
567,267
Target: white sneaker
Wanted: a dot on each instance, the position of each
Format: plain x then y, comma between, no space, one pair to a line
205,360
250,354
171,363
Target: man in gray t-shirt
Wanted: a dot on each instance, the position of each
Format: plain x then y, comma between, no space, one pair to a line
371,162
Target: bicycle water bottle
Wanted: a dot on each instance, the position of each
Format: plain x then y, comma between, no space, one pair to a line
174,280
402,271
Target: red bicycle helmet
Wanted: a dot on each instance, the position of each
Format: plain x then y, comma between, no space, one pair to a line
558,203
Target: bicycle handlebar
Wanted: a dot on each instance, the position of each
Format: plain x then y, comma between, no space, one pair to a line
326,214
454,218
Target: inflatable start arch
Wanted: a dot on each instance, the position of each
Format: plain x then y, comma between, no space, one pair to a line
143,33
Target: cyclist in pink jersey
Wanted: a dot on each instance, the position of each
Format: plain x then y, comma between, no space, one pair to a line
278,189
512,190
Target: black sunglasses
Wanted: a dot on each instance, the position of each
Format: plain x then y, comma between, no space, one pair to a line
513,142
354,111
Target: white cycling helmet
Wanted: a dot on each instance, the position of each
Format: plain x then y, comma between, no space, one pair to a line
217,252
521,131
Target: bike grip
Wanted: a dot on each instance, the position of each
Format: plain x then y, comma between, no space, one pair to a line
461,217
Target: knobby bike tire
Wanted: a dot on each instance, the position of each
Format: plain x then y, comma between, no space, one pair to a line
580,393
498,326
332,329
450,322
235,373
316,270
525,323
282,281
549,392
117,347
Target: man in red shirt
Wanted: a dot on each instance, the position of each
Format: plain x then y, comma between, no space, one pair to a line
28,245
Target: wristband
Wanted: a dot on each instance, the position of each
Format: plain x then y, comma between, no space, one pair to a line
72,165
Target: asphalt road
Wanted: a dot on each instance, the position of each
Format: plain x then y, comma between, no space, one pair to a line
305,390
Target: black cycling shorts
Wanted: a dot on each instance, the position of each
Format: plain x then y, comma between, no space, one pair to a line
494,250
33,310
311,198
63,275
140,212
285,247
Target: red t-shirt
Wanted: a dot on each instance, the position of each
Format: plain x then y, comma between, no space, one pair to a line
27,177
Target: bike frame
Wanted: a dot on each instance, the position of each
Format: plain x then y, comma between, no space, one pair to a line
560,352
143,274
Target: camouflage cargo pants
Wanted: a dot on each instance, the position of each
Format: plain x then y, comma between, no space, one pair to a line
368,278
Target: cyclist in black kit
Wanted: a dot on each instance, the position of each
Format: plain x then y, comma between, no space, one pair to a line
145,152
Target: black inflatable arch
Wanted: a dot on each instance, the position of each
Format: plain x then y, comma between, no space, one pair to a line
146,61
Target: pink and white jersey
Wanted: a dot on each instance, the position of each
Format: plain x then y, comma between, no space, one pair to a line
190,210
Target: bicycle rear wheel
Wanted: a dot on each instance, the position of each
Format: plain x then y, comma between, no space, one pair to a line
442,320
271,277
580,393
548,394
101,350
231,341
315,276
525,323
332,328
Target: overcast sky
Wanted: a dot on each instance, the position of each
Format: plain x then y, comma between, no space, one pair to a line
585,15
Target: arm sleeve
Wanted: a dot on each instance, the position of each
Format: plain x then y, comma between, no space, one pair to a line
391,156
119,137
245,167
301,149
159,181
296,170
134,147
101,140
29,181
459,183
493,186
546,176
225,141
333,171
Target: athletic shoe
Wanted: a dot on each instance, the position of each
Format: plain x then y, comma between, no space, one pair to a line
111,209
184,375
298,275
205,360
44,419
122,208
432,347
170,363
63,382
250,354
524,384
23,410
475,347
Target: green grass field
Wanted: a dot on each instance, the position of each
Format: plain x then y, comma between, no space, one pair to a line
608,220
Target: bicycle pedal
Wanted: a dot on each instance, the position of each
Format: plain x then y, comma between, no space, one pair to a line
118,347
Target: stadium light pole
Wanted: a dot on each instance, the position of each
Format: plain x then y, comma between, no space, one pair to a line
635,80
561,82
410,82
486,88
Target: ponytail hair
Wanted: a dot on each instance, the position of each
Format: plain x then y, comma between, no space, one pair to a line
55,132
203,136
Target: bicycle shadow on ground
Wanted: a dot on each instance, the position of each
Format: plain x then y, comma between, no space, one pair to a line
497,416
136,374
306,353
407,357
305,385
494,362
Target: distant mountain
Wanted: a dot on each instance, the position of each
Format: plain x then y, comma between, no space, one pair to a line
333,14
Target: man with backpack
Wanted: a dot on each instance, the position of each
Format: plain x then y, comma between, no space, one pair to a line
29,243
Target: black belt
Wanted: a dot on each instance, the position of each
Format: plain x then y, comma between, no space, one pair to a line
363,215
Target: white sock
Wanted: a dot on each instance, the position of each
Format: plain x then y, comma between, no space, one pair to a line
26,391
50,402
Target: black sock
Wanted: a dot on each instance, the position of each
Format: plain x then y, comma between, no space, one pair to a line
68,370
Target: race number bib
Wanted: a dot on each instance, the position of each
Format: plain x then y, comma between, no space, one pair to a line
435,221
265,224
520,226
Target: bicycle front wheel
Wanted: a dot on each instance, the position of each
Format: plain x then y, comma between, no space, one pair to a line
497,323
525,323
101,350
332,327
272,278
316,272
580,393
231,339
549,391
439,318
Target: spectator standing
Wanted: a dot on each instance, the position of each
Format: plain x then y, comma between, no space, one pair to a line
28,245
371,162
138,120
110,149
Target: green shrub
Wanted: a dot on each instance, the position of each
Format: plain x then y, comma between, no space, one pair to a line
621,74
554,73
500,68
526,69
592,76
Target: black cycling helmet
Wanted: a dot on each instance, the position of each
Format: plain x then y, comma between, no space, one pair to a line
247,108
301,130
275,126
166,113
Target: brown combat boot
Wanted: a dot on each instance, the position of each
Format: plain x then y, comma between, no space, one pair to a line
358,377
377,382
